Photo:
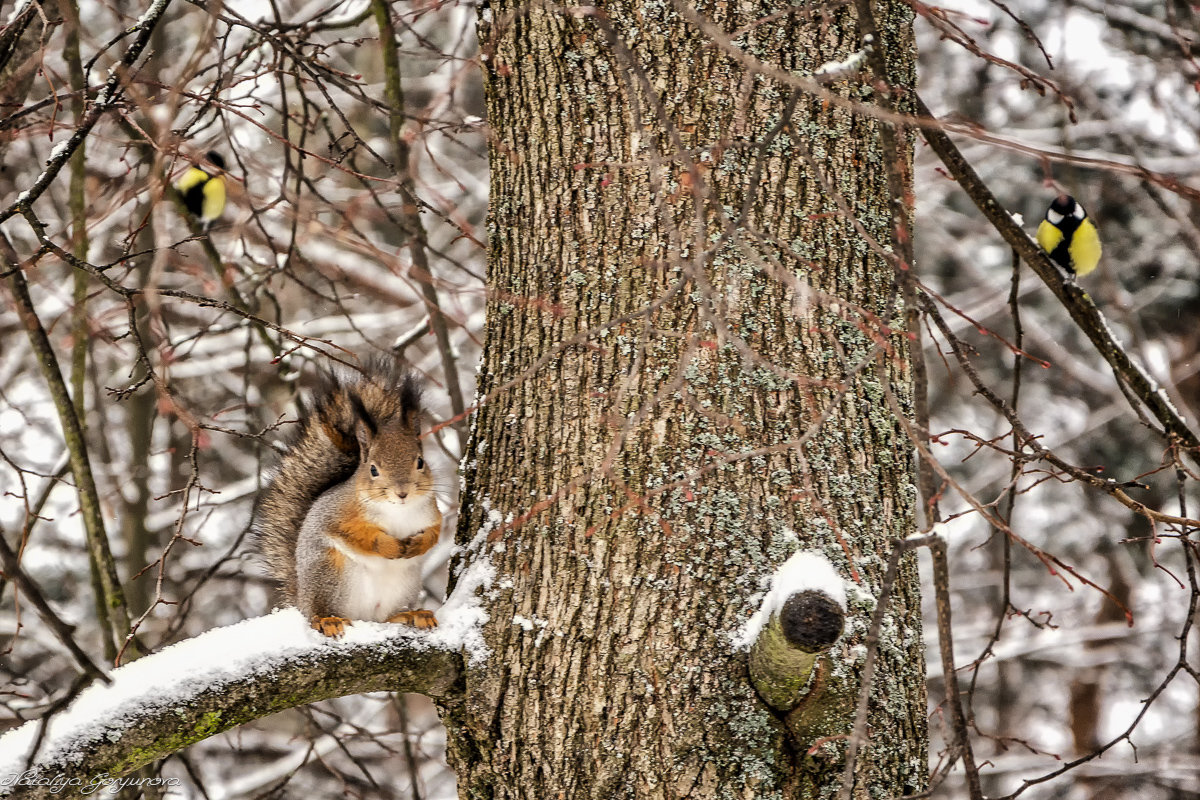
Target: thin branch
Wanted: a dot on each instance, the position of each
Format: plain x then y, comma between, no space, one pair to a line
410,208
858,735
64,632
106,99
962,736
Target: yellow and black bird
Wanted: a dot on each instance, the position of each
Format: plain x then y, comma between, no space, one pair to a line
1069,237
203,189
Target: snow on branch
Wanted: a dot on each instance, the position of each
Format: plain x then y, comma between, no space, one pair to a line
220,679
804,571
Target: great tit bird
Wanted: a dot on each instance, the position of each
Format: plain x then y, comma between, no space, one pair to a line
1069,237
203,189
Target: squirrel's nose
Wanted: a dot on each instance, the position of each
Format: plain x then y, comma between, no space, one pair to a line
401,493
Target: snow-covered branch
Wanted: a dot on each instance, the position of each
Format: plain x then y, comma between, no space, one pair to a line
214,682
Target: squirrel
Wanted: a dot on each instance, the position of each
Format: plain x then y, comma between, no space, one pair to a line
350,511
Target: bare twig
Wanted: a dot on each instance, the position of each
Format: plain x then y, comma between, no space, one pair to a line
61,630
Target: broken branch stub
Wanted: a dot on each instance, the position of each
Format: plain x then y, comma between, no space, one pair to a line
783,657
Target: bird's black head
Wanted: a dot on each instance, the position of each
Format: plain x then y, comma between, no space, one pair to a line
1063,204
216,158
1065,211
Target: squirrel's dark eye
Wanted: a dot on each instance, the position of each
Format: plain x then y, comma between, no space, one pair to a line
420,463
374,471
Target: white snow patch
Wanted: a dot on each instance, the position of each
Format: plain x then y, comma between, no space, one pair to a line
941,529
529,624
461,617
18,9
849,64
804,571
155,9
1162,395
58,150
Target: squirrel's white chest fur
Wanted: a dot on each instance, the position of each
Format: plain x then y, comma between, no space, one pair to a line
376,588
403,519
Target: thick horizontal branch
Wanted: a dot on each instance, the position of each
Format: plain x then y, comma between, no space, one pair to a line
214,682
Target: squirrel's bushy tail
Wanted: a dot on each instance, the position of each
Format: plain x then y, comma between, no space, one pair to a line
323,452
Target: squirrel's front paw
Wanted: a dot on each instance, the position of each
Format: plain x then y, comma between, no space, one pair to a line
418,619
330,626
417,545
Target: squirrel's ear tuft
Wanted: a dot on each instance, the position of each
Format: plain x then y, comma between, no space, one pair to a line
362,417
410,402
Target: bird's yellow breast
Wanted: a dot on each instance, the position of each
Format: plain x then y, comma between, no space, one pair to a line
203,194
1048,236
214,199
1085,248
191,179
1080,255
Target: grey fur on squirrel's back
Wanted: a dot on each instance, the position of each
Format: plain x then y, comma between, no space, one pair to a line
323,452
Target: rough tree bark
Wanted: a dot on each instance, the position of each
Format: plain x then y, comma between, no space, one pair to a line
688,356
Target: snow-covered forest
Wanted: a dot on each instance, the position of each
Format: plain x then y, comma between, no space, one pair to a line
168,355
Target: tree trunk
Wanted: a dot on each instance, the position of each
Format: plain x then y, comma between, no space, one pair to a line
691,355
